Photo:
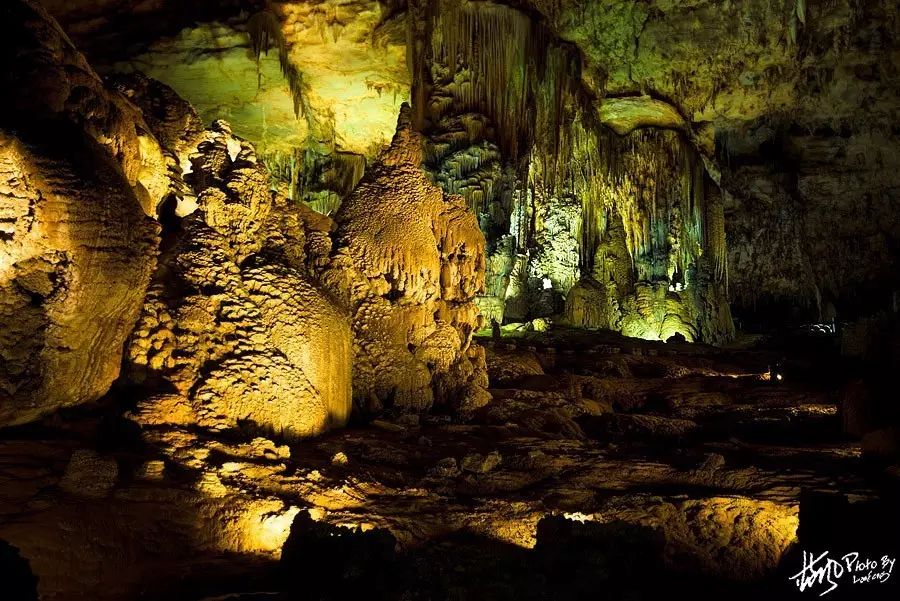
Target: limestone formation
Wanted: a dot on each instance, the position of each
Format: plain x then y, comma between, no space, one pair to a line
234,324
567,186
76,254
409,260
49,83
89,475
793,118
347,61
625,114
590,304
80,173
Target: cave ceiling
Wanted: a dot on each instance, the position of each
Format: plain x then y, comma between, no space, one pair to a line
352,63
714,62
790,103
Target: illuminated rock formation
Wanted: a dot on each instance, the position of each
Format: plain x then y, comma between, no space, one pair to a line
653,234
49,82
314,129
560,194
795,114
796,106
75,258
79,173
233,323
409,261
626,165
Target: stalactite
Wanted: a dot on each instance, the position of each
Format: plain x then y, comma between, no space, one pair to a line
264,30
800,8
715,220
419,28
495,61
319,180
505,65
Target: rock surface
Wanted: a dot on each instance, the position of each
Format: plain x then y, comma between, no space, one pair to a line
791,108
234,323
75,260
532,486
409,260
795,103
52,85
78,178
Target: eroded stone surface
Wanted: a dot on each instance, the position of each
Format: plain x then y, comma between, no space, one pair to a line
234,321
76,255
409,261
51,84
535,464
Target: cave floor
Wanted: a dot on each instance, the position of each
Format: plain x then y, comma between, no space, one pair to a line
690,444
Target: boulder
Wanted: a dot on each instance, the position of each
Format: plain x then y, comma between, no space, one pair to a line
79,174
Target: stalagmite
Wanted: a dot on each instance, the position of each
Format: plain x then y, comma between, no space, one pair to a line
409,261
674,235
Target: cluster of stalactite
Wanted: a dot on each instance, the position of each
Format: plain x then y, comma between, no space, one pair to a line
656,184
560,197
484,59
495,89
653,237
315,173
264,30
319,180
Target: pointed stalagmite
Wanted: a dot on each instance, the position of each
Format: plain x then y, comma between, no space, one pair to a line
409,260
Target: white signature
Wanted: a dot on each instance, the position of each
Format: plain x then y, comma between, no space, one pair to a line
824,570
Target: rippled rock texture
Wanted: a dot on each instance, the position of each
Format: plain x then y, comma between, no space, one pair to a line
80,176
234,326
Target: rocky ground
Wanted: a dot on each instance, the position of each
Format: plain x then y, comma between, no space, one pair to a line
602,464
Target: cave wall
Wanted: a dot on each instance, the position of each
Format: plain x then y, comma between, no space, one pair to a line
315,131
795,102
80,177
813,222
790,103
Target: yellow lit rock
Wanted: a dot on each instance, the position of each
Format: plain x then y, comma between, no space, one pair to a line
624,115
737,537
75,258
410,261
251,344
355,77
269,528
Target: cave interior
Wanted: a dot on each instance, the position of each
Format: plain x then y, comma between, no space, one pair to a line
433,300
